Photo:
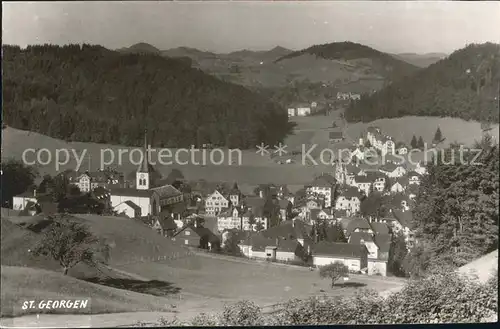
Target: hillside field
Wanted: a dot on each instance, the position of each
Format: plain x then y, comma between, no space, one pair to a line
254,169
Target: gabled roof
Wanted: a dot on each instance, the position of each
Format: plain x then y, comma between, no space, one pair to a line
405,218
352,169
383,242
351,192
287,230
166,191
357,223
344,222
413,173
201,232
166,223
339,249
403,180
358,237
379,228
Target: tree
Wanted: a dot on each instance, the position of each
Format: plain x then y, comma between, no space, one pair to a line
230,246
70,242
420,143
438,136
175,176
397,254
414,143
16,179
368,144
334,271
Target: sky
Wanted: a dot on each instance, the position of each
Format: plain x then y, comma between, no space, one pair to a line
396,27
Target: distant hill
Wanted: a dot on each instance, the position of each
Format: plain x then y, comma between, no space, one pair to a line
360,60
92,94
140,48
446,88
421,60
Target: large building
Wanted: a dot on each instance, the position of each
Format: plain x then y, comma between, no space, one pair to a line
143,199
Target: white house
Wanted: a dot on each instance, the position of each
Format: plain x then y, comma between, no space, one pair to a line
215,203
129,208
401,148
397,187
392,170
323,185
291,112
355,257
363,183
20,201
350,201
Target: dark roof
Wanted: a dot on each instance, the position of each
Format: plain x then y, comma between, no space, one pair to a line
321,182
405,218
287,230
288,245
403,181
356,237
362,179
357,223
132,205
350,192
166,223
131,192
379,228
413,173
389,167
339,249
166,191
383,242
201,232
335,135
352,169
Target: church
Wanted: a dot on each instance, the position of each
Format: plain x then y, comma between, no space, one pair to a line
144,200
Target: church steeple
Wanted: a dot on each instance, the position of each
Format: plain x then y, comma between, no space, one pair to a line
143,176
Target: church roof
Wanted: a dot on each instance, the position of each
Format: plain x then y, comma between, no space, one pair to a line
131,192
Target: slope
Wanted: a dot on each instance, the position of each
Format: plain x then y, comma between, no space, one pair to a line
362,58
463,85
484,267
20,284
89,93
421,60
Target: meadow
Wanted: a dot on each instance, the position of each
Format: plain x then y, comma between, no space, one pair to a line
254,169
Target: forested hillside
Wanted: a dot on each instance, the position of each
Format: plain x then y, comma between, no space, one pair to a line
456,213
464,85
376,61
92,94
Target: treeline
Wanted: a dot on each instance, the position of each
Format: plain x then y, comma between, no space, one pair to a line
91,94
464,85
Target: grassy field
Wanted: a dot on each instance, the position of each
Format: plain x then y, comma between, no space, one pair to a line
254,169
21,283
232,279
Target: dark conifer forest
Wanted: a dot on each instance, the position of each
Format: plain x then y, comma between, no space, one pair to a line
463,85
91,94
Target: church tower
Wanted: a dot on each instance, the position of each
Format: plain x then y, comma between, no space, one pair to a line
143,175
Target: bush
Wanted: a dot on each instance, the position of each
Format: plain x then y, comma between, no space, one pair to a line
439,298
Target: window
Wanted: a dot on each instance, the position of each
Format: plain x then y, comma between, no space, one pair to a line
187,233
186,241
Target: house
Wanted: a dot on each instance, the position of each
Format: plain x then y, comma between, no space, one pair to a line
377,179
321,215
413,177
387,145
197,236
360,238
349,200
291,112
165,225
216,203
358,225
239,218
378,266
261,247
323,185
401,148
299,110
355,257
363,183
399,185
404,223
335,136
88,181
129,209
285,209
20,201
235,195
392,170
290,230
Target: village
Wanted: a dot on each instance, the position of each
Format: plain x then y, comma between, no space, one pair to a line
335,217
